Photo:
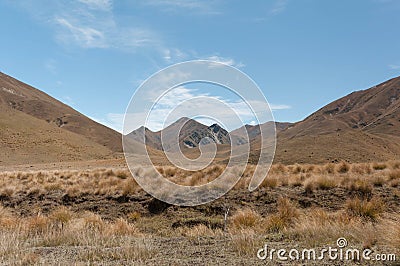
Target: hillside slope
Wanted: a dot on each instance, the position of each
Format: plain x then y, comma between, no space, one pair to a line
19,96
28,140
362,126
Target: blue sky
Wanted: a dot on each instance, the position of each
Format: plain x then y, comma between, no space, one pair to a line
93,54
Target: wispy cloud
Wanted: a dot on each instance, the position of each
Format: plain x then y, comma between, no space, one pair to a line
187,102
84,36
111,120
224,60
279,7
171,55
91,24
394,66
191,6
276,107
98,4
50,65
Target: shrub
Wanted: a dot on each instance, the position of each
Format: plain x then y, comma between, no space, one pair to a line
296,180
343,168
61,216
366,209
297,169
378,181
170,171
361,169
38,224
278,168
309,187
245,243
196,178
329,168
109,172
122,174
270,182
395,183
379,166
134,216
286,214
246,218
325,182
94,222
121,227
394,174
361,186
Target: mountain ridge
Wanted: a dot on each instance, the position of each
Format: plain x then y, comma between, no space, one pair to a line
29,100
359,127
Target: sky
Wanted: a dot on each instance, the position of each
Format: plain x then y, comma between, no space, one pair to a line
303,54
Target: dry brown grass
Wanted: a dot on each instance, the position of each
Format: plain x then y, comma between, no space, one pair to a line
325,182
246,218
363,220
361,186
343,168
286,213
270,182
379,166
394,174
118,181
368,209
108,182
199,230
245,242
93,238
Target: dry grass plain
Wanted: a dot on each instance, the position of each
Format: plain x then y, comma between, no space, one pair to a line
58,215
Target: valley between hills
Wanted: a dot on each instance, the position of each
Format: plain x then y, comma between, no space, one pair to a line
67,197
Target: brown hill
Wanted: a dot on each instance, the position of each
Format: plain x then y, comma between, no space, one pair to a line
191,133
254,131
21,97
28,140
36,128
362,126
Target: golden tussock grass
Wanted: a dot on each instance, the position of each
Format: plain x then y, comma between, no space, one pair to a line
199,230
343,168
88,233
110,182
394,174
270,182
245,242
369,209
286,213
379,166
119,181
363,219
245,218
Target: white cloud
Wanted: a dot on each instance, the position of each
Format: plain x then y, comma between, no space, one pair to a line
83,36
98,4
225,60
185,102
112,120
185,6
91,24
171,55
394,67
275,107
279,7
